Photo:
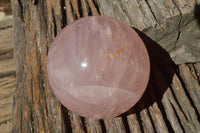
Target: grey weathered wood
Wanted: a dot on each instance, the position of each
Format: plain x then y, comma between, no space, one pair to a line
188,44
197,69
191,84
146,120
173,111
133,123
76,123
6,23
7,87
93,125
184,103
6,38
167,22
114,125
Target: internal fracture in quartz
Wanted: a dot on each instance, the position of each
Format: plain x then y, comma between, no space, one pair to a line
98,67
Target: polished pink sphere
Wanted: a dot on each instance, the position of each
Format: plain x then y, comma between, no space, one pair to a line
98,67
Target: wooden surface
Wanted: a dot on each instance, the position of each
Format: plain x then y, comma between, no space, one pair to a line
171,102
171,23
7,68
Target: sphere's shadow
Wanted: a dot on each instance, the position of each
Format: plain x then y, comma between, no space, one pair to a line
159,59
197,13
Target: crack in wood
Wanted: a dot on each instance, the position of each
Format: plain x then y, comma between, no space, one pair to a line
70,16
152,121
179,25
96,6
93,7
6,27
80,10
167,122
5,121
75,8
138,116
63,12
34,2
177,116
152,12
191,95
103,127
54,23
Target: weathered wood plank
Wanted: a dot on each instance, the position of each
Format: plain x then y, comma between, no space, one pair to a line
135,13
41,111
166,14
188,44
7,87
191,84
69,12
93,125
93,8
133,123
167,100
186,8
7,67
180,105
5,6
161,20
6,37
114,125
146,119
76,123
157,117
6,128
75,7
184,103
197,69
6,23
171,113
84,7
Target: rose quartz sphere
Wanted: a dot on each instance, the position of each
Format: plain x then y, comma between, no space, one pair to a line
98,67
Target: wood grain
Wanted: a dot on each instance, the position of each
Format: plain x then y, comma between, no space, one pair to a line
7,68
6,38
93,126
191,84
7,88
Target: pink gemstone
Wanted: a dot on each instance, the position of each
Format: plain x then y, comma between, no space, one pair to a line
98,67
